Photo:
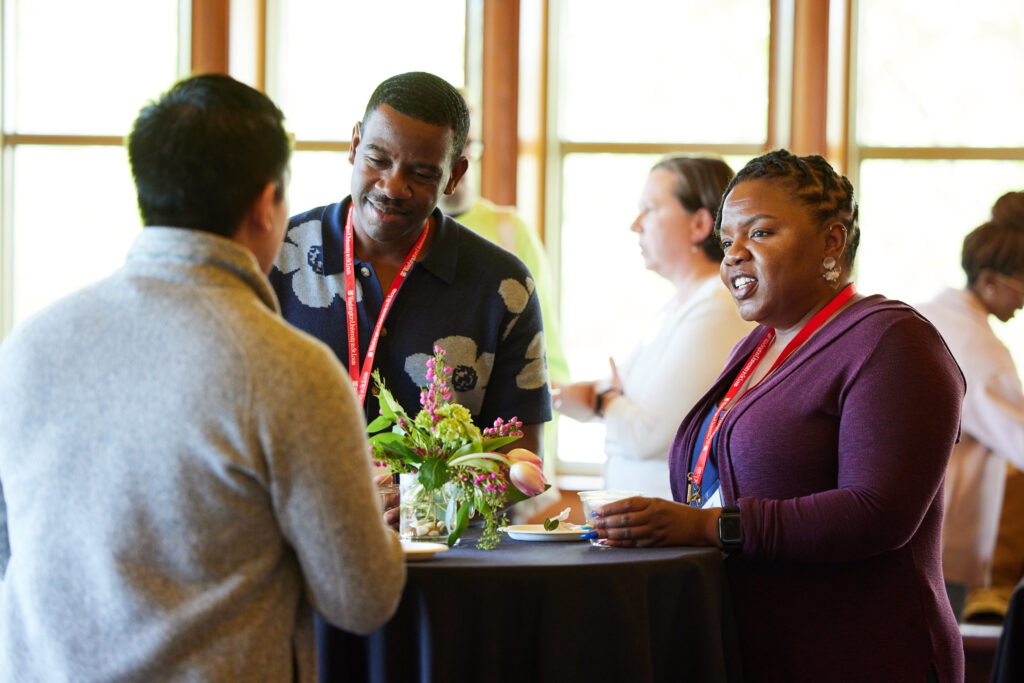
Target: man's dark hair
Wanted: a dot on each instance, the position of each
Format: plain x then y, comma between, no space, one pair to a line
700,182
202,153
998,244
427,98
814,183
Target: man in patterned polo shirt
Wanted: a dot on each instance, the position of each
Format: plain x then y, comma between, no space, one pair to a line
416,278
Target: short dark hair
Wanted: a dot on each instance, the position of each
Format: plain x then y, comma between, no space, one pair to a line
998,244
700,182
814,183
427,98
202,153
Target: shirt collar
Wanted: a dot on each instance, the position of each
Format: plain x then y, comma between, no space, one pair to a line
440,260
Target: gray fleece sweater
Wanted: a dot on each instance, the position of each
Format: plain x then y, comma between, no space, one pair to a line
182,475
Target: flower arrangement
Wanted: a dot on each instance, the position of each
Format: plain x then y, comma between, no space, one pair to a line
444,450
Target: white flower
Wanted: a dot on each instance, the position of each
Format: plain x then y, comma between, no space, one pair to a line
470,372
302,253
535,374
516,296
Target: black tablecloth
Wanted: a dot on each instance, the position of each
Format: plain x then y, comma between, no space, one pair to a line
548,612
1009,663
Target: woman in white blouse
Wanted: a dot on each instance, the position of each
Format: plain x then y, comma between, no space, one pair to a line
992,430
646,396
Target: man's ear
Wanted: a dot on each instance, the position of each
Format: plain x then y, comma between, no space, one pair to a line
355,143
458,170
261,213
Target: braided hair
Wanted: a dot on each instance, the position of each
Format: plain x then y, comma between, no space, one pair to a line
999,243
813,182
428,98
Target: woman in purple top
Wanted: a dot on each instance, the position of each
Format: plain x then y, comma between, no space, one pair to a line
831,427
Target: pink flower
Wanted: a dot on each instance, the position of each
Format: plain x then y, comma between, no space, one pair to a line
522,455
527,477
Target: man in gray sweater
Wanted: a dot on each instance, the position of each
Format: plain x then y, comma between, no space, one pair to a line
182,474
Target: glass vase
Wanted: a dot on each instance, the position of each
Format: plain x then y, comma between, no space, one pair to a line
422,513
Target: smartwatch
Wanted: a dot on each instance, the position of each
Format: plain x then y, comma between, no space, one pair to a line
730,530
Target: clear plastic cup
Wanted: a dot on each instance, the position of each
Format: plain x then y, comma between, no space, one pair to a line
594,499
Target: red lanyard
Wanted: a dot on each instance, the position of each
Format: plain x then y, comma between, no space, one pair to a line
693,490
361,378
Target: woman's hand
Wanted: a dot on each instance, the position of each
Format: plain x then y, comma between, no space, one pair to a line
574,400
644,522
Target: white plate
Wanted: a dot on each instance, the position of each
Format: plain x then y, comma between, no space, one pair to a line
537,532
418,551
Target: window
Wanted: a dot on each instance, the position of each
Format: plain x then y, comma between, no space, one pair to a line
324,60
935,140
73,82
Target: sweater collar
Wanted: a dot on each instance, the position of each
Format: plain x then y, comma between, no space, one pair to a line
169,247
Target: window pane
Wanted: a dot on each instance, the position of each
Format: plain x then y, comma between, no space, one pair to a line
663,71
914,216
86,68
318,178
68,237
941,73
601,316
328,56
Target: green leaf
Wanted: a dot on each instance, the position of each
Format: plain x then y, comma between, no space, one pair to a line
497,442
382,422
550,524
471,447
433,473
392,445
461,524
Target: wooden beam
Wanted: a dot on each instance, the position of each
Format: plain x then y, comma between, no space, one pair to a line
210,36
810,77
500,101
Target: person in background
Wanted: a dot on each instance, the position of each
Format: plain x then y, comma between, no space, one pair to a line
816,459
503,226
993,413
647,395
183,475
416,278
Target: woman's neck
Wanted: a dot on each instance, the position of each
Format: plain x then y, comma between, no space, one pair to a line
784,335
689,279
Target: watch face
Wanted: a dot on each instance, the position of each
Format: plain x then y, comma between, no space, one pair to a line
729,529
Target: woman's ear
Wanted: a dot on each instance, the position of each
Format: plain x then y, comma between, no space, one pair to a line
835,240
703,224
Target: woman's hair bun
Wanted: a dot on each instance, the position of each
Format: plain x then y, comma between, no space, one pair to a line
1008,211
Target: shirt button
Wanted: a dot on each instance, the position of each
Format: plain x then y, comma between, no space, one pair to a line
364,271
375,391
383,331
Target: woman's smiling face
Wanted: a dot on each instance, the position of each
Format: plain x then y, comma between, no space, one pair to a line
773,254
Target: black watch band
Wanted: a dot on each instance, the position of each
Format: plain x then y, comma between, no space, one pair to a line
599,402
730,530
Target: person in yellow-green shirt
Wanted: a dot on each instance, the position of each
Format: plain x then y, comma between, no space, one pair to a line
503,226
